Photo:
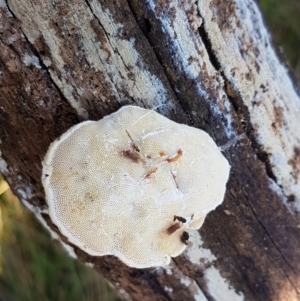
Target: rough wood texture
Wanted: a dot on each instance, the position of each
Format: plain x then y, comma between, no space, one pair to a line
205,63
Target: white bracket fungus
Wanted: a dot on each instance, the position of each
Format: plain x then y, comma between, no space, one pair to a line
132,185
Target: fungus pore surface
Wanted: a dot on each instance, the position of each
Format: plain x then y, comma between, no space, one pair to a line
132,185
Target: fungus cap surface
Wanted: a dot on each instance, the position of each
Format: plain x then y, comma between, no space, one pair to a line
116,186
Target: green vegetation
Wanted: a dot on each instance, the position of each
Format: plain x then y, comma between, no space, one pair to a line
283,20
33,267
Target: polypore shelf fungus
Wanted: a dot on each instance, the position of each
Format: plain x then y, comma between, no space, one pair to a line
132,185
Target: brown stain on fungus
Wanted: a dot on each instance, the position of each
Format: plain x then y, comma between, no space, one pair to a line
131,155
176,157
162,154
173,228
150,172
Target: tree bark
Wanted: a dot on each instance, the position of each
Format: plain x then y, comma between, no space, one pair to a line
209,64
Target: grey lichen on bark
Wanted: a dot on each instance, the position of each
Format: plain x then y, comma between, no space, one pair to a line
209,64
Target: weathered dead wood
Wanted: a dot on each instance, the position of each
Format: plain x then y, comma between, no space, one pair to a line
209,64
